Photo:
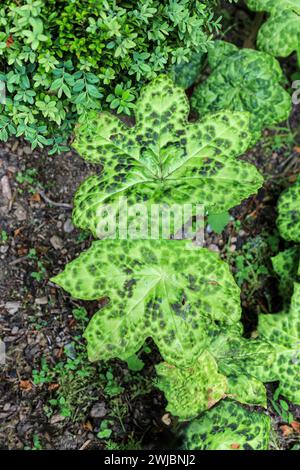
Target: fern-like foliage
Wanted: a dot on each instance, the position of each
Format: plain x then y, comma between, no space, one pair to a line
288,220
244,80
280,34
282,330
158,289
164,159
228,426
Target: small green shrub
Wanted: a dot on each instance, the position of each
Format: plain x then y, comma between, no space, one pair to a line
157,289
60,59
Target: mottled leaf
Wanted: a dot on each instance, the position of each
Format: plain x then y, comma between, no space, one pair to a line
244,80
240,359
228,426
288,220
164,159
186,73
282,330
159,289
190,391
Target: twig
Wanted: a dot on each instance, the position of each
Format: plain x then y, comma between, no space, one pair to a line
56,204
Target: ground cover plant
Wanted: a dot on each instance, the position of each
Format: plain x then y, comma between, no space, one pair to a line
114,338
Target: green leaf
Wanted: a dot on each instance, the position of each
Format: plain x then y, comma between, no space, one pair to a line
163,158
190,391
286,264
186,73
218,221
280,34
159,289
134,363
288,220
228,426
282,330
244,80
247,390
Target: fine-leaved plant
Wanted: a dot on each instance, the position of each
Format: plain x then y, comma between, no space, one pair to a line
243,80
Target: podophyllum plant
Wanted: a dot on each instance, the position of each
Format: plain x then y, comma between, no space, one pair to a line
280,34
288,220
163,158
159,289
286,263
186,300
229,366
282,330
243,80
61,58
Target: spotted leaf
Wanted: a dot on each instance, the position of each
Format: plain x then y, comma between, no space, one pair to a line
288,220
240,360
157,289
163,159
244,80
191,390
283,331
280,34
228,426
